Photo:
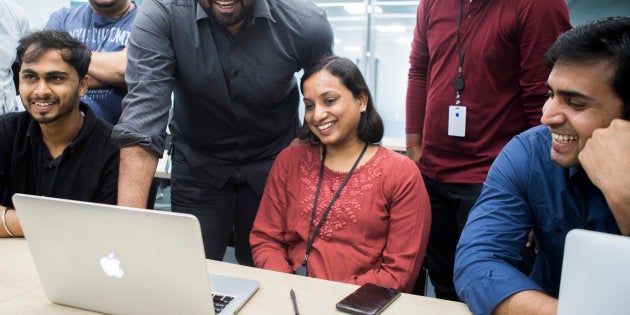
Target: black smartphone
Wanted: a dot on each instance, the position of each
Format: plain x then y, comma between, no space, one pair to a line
369,299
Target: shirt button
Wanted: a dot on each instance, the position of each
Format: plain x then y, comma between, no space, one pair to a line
235,72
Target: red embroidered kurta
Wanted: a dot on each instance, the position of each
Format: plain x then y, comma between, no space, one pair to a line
376,231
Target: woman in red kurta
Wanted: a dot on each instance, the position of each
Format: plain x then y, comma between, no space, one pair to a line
377,228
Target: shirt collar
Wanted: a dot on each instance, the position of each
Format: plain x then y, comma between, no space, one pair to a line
201,13
262,10
34,132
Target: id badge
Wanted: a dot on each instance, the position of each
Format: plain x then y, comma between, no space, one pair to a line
457,121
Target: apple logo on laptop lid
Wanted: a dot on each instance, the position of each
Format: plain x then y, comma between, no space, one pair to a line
111,266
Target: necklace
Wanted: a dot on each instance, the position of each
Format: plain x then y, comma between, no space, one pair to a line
302,269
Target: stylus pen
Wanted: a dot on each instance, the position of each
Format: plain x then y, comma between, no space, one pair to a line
295,308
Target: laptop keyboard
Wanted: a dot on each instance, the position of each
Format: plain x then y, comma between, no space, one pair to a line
220,301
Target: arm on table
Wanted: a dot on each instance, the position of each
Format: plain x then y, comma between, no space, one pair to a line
528,302
491,246
12,222
606,160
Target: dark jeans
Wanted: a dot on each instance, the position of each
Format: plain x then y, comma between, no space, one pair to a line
232,208
450,204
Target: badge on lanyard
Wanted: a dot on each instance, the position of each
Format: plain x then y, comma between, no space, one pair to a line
457,120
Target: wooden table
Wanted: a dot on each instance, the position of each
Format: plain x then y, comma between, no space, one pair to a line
21,291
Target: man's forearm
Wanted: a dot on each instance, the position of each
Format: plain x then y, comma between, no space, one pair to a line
108,68
529,302
137,168
414,140
94,83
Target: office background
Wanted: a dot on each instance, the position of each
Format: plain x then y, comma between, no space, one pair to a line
377,35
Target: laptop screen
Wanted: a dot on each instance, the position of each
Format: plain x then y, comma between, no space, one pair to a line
118,260
595,274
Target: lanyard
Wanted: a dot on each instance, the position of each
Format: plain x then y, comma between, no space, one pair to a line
458,83
302,270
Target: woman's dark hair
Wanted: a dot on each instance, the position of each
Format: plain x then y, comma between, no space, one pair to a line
371,125
72,51
595,41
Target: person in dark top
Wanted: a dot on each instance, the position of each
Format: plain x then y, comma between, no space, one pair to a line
231,66
58,147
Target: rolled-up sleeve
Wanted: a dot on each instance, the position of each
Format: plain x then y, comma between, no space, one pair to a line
150,76
492,243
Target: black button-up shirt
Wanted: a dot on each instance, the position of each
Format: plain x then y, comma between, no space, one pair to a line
235,99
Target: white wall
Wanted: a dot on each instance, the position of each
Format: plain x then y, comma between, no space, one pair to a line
39,10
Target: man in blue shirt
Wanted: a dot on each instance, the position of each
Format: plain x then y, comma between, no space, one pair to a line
539,182
104,26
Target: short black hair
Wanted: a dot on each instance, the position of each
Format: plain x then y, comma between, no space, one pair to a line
371,125
73,51
604,39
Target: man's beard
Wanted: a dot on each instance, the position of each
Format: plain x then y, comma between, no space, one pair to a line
231,20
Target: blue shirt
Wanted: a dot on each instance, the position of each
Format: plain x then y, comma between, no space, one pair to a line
525,189
100,34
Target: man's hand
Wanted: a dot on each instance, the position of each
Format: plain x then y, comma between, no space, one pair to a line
414,153
606,160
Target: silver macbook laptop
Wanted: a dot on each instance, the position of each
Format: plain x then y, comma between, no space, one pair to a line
595,274
124,261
